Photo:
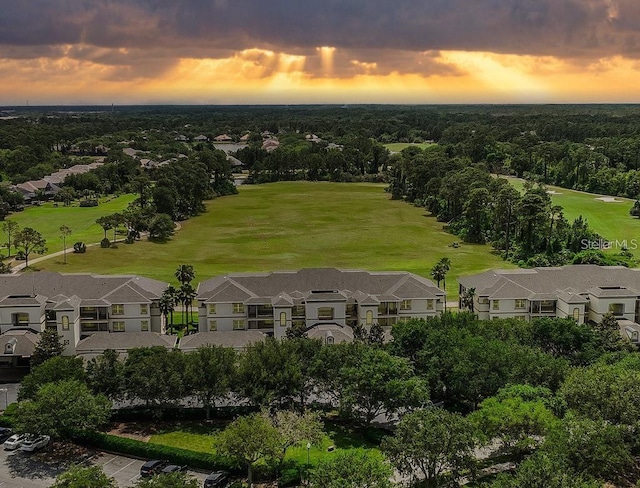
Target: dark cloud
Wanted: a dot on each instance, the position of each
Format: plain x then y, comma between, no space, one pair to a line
565,28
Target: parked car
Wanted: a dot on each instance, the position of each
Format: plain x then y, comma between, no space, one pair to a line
217,479
152,467
5,433
14,442
173,468
35,442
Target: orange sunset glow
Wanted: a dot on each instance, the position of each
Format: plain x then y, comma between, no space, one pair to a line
220,53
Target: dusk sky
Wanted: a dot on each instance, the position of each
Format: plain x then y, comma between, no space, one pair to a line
322,51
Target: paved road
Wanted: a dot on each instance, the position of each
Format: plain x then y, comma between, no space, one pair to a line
26,470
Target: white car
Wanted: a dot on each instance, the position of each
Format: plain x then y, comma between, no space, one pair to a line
14,442
34,442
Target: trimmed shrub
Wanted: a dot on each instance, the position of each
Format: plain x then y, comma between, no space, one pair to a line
123,445
88,203
79,248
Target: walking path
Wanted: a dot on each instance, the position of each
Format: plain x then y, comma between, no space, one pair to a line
21,266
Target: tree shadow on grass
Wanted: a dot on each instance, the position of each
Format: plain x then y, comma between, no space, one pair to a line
346,435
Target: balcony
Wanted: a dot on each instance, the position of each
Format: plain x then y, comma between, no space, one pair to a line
543,307
94,326
260,312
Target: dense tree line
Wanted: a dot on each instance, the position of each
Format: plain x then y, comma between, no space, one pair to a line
525,227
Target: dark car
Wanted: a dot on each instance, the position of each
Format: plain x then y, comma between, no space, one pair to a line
217,479
5,433
152,467
173,468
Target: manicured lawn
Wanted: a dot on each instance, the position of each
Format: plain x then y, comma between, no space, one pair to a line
292,225
47,220
399,146
609,219
201,439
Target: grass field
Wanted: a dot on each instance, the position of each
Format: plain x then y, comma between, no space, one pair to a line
202,439
47,220
292,225
609,219
399,146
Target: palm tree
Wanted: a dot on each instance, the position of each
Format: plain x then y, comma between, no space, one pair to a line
466,300
167,304
188,295
445,263
438,272
185,273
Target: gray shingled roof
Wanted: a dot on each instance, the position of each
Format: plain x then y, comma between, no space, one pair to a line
229,338
543,282
25,342
122,341
244,286
91,288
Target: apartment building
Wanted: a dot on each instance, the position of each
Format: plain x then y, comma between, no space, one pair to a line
327,302
90,312
584,292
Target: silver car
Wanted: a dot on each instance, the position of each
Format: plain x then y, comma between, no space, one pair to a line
14,442
35,442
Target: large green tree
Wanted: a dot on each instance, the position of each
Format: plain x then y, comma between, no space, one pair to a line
155,375
249,439
353,468
49,345
10,229
62,409
79,476
58,368
30,241
105,375
210,372
433,445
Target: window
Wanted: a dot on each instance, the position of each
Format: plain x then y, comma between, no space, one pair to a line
298,311
213,325
496,304
405,305
238,308
283,319
484,301
429,303
239,325
21,319
212,308
576,314
521,303
65,322
118,326
369,317
331,340
117,309
634,336
144,309
144,325
325,313
616,308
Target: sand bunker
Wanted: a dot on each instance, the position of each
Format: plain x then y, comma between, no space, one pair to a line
553,192
609,200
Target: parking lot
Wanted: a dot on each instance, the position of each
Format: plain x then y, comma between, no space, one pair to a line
25,470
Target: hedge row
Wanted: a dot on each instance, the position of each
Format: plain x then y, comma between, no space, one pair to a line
124,445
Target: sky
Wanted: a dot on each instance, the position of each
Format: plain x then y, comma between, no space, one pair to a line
72,52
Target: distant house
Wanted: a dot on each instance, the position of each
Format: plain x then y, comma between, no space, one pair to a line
584,292
181,138
312,138
30,189
245,137
270,144
236,164
200,138
328,303
223,138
